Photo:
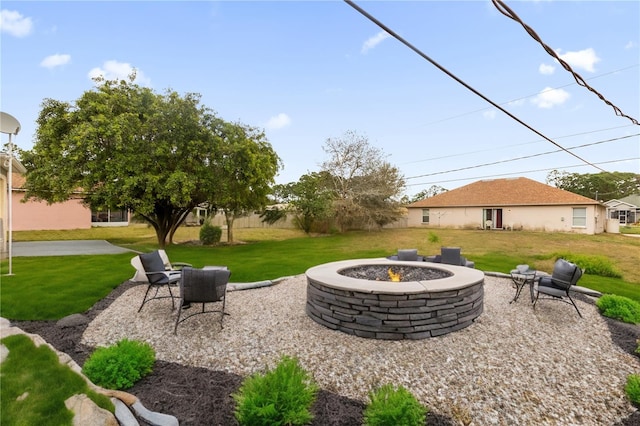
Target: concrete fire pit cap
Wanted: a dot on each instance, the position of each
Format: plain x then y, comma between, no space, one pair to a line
328,274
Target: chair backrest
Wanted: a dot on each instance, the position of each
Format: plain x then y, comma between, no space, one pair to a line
140,276
450,255
408,254
203,285
152,262
565,274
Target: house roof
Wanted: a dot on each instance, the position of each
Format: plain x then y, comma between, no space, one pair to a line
631,199
504,192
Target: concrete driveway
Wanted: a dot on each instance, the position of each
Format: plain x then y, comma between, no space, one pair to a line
65,248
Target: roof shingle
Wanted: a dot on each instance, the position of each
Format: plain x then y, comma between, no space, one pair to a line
504,192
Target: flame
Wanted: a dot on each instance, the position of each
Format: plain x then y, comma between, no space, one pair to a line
393,276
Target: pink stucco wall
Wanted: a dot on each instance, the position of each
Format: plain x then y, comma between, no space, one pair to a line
36,215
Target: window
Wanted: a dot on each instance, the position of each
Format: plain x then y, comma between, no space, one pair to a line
109,215
579,217
425,215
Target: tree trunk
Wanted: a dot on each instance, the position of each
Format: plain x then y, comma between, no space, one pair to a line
229,218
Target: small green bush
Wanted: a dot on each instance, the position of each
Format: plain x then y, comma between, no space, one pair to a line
394,407
620,308
632,388
282,396
210,234
433,238
121,365
592,264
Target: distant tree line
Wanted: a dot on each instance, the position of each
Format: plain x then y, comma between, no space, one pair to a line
598,186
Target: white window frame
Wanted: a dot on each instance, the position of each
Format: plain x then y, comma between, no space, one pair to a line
425,216
579,217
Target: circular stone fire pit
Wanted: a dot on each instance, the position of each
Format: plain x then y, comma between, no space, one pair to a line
437,299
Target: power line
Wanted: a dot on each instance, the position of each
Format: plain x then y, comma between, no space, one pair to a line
506,11
450,74
512,145
520,173
520,158
525,97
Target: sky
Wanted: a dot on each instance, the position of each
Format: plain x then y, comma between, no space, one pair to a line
307,71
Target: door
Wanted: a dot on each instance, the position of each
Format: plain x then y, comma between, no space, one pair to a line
497,223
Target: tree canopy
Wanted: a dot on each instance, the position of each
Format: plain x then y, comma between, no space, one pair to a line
366,187
599,186
123,146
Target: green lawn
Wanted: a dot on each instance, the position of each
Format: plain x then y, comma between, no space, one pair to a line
53,287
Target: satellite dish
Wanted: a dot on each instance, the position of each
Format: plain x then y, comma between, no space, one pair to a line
9,124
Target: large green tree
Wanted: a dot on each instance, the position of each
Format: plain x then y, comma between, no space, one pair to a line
366,187
123,146
246,170
599,186
309,199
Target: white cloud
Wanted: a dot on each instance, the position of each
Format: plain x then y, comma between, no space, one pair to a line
279,121
582,59
114,70
374,41
630,45
489,115
545,69
56,60
13,23
549,98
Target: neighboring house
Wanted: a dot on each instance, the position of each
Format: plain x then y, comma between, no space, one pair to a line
39,215
517,203
626,210
4,196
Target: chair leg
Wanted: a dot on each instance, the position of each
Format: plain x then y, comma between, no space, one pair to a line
155,296
574,305
175,328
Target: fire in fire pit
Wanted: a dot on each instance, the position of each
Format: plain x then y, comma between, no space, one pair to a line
400,273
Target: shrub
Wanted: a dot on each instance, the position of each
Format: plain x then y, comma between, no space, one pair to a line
433,238
121,365
632,388
592,264
282,396
394,407
620,308
210,234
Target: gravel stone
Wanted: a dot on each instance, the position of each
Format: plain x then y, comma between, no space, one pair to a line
513,365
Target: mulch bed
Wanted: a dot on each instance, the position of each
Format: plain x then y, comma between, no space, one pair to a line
198,396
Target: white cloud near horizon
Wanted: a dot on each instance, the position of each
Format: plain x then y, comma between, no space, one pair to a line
489,115
279,121
114,70
583,59
374,41
630,45
549,97
56,60
545,69
13,23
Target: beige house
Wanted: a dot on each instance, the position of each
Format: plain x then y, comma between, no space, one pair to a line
510,204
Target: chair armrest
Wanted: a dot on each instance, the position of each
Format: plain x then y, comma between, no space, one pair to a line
176,266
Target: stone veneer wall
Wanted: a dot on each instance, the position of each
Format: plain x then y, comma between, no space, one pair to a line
394,316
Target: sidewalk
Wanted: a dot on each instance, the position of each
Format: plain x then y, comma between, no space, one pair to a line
65,248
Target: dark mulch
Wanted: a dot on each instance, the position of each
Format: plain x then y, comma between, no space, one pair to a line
198,396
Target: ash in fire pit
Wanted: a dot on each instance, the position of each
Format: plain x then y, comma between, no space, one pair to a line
401,273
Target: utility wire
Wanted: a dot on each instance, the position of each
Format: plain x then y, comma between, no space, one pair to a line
506,11
510,146
450,74
518,173
519,158
525,97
